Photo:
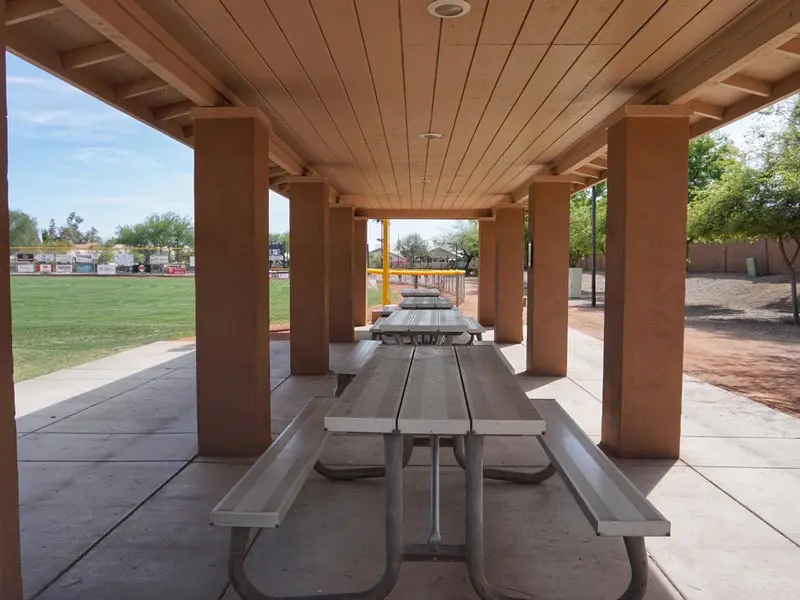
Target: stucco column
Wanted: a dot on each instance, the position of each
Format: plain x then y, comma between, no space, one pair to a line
309,243
360,273
548,294
231,186
645,281
340,266
486,291
509,265
10,567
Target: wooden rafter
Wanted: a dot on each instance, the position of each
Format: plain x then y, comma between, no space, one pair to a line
173,111
708,110
132,28
21,11
748,84
140,87
378,213
791,47
91,55
48,59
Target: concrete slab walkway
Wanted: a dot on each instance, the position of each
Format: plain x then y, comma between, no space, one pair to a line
115,503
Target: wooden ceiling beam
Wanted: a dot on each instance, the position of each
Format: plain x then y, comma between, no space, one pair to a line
748,84
140,87
599,162
780,90
91,55
708,110
380,213
48,59
188,131
766,27
22,11
587,171
132,28
790,47
173,111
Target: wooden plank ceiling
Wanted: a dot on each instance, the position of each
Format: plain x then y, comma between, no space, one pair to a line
514,88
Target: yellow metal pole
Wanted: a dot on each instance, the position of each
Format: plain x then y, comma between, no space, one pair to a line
387,299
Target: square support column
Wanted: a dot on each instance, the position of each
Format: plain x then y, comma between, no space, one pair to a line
548,294
509,265
231,186
645,282
10,563
340,265
486,291
360,273
308,243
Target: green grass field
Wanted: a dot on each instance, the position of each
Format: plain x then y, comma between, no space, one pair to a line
59,322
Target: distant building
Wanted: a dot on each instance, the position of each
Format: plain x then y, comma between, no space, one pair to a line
440,258
395,260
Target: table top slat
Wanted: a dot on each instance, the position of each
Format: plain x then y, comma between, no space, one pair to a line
398,322
434,399
371,402
420,293
424,321
497,404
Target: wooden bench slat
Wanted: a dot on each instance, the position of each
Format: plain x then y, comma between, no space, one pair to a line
264,495
434,398
379,386
496,403
611,503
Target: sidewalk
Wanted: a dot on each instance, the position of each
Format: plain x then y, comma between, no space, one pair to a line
115,503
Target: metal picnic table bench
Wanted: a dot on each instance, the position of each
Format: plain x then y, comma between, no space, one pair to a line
466,392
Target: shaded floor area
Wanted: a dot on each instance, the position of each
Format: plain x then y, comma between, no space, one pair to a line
115,503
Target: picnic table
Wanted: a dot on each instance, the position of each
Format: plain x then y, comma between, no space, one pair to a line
425,326
426,303
464,391
420,293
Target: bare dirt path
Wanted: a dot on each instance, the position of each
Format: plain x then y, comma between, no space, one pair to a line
736,336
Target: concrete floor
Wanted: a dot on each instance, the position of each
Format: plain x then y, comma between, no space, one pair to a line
115,503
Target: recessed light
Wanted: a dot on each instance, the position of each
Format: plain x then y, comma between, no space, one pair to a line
448,9
423,180
430,135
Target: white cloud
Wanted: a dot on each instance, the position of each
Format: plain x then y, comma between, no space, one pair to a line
105,155
49,84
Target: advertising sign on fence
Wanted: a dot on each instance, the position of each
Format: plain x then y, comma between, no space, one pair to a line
63,259
26,268
45,268
176,270
84,268
63,269
106,269
84,258
124,259
46,258
159,259
191,261
24,257
141,268
276,252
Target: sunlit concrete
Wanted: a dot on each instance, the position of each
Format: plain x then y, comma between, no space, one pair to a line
115,504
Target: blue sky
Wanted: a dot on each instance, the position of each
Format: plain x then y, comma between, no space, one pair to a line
71,152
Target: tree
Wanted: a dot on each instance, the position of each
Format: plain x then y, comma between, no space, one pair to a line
758,200
167,230
23,229
580,227
412,246
461,240
70,233
710,156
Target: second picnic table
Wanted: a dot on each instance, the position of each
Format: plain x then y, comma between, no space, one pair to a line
426,303
420,293
426,326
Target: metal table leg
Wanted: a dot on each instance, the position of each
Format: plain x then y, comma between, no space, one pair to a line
504,474
435,536
474,500
393,451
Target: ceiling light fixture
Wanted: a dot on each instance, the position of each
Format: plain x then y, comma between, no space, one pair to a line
430,135
448,9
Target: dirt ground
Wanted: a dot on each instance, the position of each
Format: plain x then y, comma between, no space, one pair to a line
738,335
